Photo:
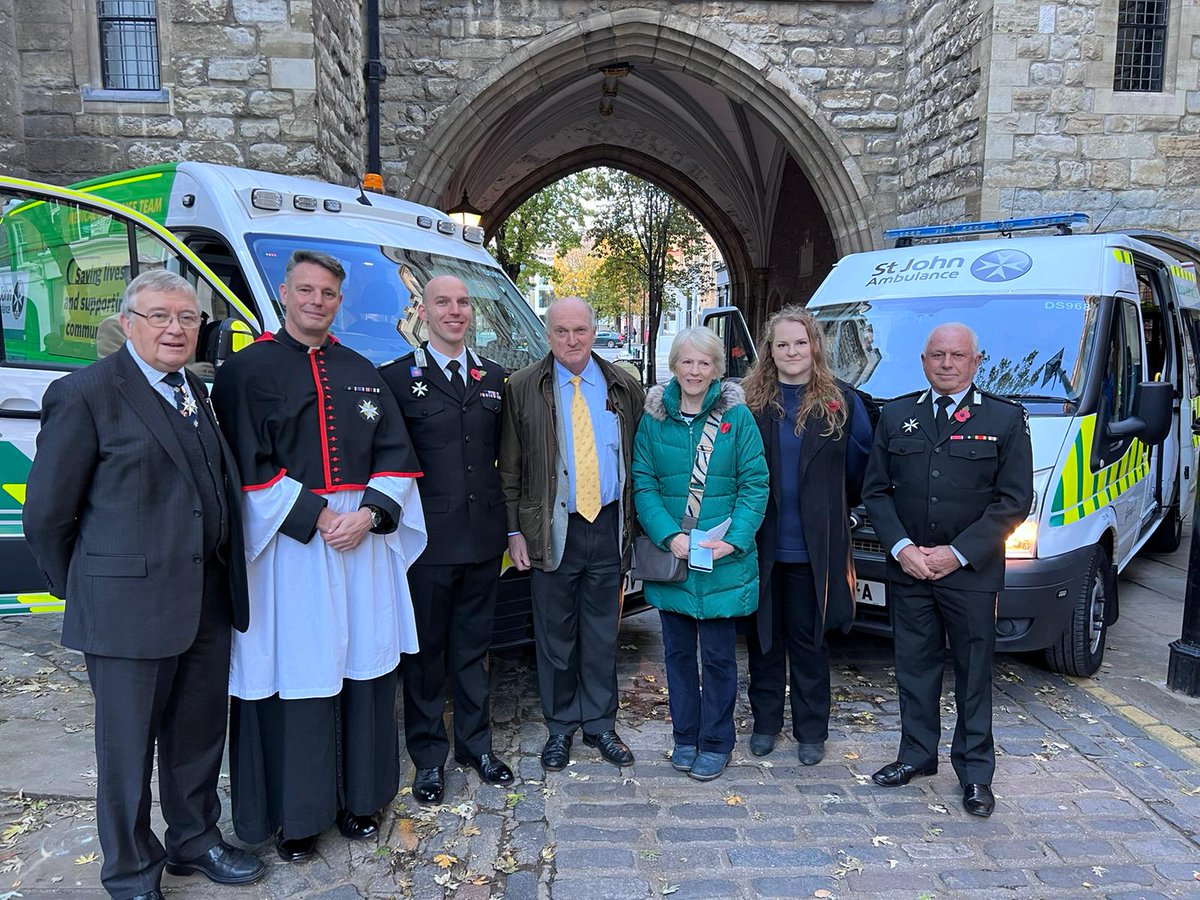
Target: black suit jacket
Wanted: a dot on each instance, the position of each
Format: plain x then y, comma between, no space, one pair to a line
112,515
969,487
457,442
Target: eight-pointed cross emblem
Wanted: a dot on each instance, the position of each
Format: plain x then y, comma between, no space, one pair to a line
368,410
910,426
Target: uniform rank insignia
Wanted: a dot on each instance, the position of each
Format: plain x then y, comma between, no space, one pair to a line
420,358
910,426
419,388
368,410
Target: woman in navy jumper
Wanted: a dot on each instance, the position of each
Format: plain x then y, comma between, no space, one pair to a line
817,436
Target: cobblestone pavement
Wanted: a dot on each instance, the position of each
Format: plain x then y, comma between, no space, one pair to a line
1098,788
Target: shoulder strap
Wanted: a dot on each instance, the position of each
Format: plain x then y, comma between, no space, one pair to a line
704,450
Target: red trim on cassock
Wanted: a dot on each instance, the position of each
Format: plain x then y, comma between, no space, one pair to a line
397,474
340,487
312,361
265,336
266,484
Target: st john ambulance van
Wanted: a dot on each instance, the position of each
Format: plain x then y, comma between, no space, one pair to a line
66,255
1098,336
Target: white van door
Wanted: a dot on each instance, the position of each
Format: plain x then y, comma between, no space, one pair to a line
65,259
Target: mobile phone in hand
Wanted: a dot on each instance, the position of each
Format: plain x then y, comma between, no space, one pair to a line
699,558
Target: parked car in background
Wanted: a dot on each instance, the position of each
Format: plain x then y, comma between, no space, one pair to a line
610,339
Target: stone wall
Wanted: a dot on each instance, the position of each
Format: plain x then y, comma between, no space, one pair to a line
939,141
341,108
12,126
1059,138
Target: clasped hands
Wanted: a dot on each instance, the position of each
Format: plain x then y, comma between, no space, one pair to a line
344,531
680,545
928,563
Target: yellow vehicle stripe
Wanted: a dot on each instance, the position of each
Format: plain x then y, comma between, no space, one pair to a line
1123,256
1080,491
149,176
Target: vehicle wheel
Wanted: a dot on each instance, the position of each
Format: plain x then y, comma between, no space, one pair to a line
611,344
1168,534
1080,648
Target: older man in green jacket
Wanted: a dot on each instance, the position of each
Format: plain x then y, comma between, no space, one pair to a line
565,447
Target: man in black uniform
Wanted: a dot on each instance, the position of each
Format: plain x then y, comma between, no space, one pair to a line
950,476
451,403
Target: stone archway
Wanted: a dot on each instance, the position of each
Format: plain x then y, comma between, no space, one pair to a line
468,133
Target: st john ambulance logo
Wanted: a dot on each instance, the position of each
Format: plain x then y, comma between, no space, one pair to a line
1001,265
368,410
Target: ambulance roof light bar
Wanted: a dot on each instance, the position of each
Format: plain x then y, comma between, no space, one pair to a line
904,237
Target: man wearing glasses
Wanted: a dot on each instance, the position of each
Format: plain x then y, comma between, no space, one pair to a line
132,513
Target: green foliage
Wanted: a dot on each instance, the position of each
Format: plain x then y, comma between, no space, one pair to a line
553,218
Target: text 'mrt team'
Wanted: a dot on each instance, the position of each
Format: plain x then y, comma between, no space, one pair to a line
319,526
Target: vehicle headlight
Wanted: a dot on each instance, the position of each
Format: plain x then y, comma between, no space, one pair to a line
1022,543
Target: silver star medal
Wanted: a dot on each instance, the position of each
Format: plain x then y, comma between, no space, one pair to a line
368,410
189,406
910,426
420,388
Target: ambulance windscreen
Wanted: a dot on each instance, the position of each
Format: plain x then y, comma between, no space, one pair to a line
1035,348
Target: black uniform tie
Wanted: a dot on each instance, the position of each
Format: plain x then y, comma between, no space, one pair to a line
185,404
943,413
456,379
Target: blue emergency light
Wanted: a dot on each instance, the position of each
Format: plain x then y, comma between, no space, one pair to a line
1062,221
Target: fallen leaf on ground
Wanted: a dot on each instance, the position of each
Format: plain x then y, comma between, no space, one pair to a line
445,860
84,860
881,840
734,800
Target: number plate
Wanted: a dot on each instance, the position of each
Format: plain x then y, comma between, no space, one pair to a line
871,593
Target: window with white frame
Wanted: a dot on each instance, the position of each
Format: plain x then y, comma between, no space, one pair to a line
128,44
1141,45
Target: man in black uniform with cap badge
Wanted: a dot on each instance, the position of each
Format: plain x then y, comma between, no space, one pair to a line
949,478
451,403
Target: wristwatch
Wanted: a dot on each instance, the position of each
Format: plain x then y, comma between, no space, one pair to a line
376,515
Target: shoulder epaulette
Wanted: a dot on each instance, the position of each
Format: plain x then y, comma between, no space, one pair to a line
396,360
1000,398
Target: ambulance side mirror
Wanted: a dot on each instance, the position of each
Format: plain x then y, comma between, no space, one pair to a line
232,336
1151,419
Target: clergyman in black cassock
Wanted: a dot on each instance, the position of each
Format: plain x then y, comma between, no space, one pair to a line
451,403
132,514
333,519
949,478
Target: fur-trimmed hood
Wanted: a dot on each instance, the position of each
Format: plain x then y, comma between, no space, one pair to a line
660,404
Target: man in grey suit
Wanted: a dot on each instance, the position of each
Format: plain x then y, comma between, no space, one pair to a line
132,513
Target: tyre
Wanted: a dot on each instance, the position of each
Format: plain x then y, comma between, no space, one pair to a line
1168,534
1080,648
611,344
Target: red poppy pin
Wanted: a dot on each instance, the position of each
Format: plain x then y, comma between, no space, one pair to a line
725,426
833,405
963,414
477,374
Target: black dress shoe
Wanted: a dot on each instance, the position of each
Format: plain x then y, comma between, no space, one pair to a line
761,744
429,785
295,850
489,768
356,828
155,894
611,747
898,773
557,752
223,864
978,800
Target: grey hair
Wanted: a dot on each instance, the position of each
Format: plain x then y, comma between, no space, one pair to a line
591,312
329,263
704,340
160,281
967,328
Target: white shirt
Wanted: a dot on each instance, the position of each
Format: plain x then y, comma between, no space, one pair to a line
442,360
155,377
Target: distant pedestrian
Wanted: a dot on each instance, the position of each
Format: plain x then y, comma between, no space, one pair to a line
950,477
565,451
817,435
133,515
697,437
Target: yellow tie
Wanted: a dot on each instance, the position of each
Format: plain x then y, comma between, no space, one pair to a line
587,467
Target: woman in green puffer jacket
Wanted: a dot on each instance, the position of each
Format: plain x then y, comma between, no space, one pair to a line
702,609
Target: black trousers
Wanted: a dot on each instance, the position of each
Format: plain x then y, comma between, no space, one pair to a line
293,764
924,616
798,649
180,704
455,607
575,622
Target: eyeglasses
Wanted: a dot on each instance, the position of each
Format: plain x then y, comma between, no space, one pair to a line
189,321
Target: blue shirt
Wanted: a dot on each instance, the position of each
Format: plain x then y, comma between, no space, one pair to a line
790,546
156,377
605,428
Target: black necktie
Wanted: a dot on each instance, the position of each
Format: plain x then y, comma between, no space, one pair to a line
184,403
943,412
456,379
